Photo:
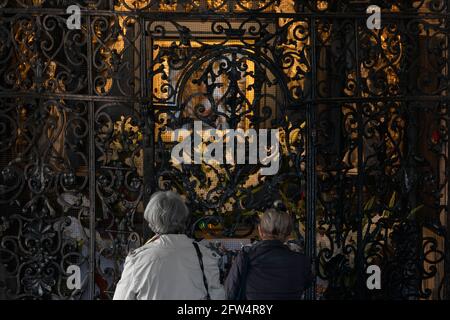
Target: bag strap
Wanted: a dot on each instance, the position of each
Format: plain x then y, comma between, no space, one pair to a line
200,261
241,295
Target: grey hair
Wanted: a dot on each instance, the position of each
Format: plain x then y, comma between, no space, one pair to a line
166,213
276,224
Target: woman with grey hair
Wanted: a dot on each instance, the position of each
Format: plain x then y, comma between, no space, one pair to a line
170,266
269,270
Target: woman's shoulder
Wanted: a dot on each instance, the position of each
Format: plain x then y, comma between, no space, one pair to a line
297,257
145,251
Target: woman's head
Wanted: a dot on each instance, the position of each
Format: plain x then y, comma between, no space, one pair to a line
166,213
275,225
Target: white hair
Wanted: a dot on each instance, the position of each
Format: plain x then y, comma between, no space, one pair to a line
166,213
276,224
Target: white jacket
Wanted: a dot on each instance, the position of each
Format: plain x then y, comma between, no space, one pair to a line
168,269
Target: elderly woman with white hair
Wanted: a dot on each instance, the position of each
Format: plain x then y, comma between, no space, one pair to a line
170,266
270,270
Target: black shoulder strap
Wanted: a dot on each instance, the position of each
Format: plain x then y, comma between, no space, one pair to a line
242,293
200,261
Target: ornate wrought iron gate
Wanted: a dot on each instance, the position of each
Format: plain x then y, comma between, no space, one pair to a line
85,120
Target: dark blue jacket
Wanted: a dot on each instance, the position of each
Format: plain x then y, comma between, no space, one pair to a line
274,272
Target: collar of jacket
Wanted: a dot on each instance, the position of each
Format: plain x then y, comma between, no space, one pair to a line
172,240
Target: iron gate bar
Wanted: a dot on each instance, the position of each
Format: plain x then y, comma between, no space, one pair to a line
311,177
93,98
92,170
163,15
360,183
149,124
446,279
